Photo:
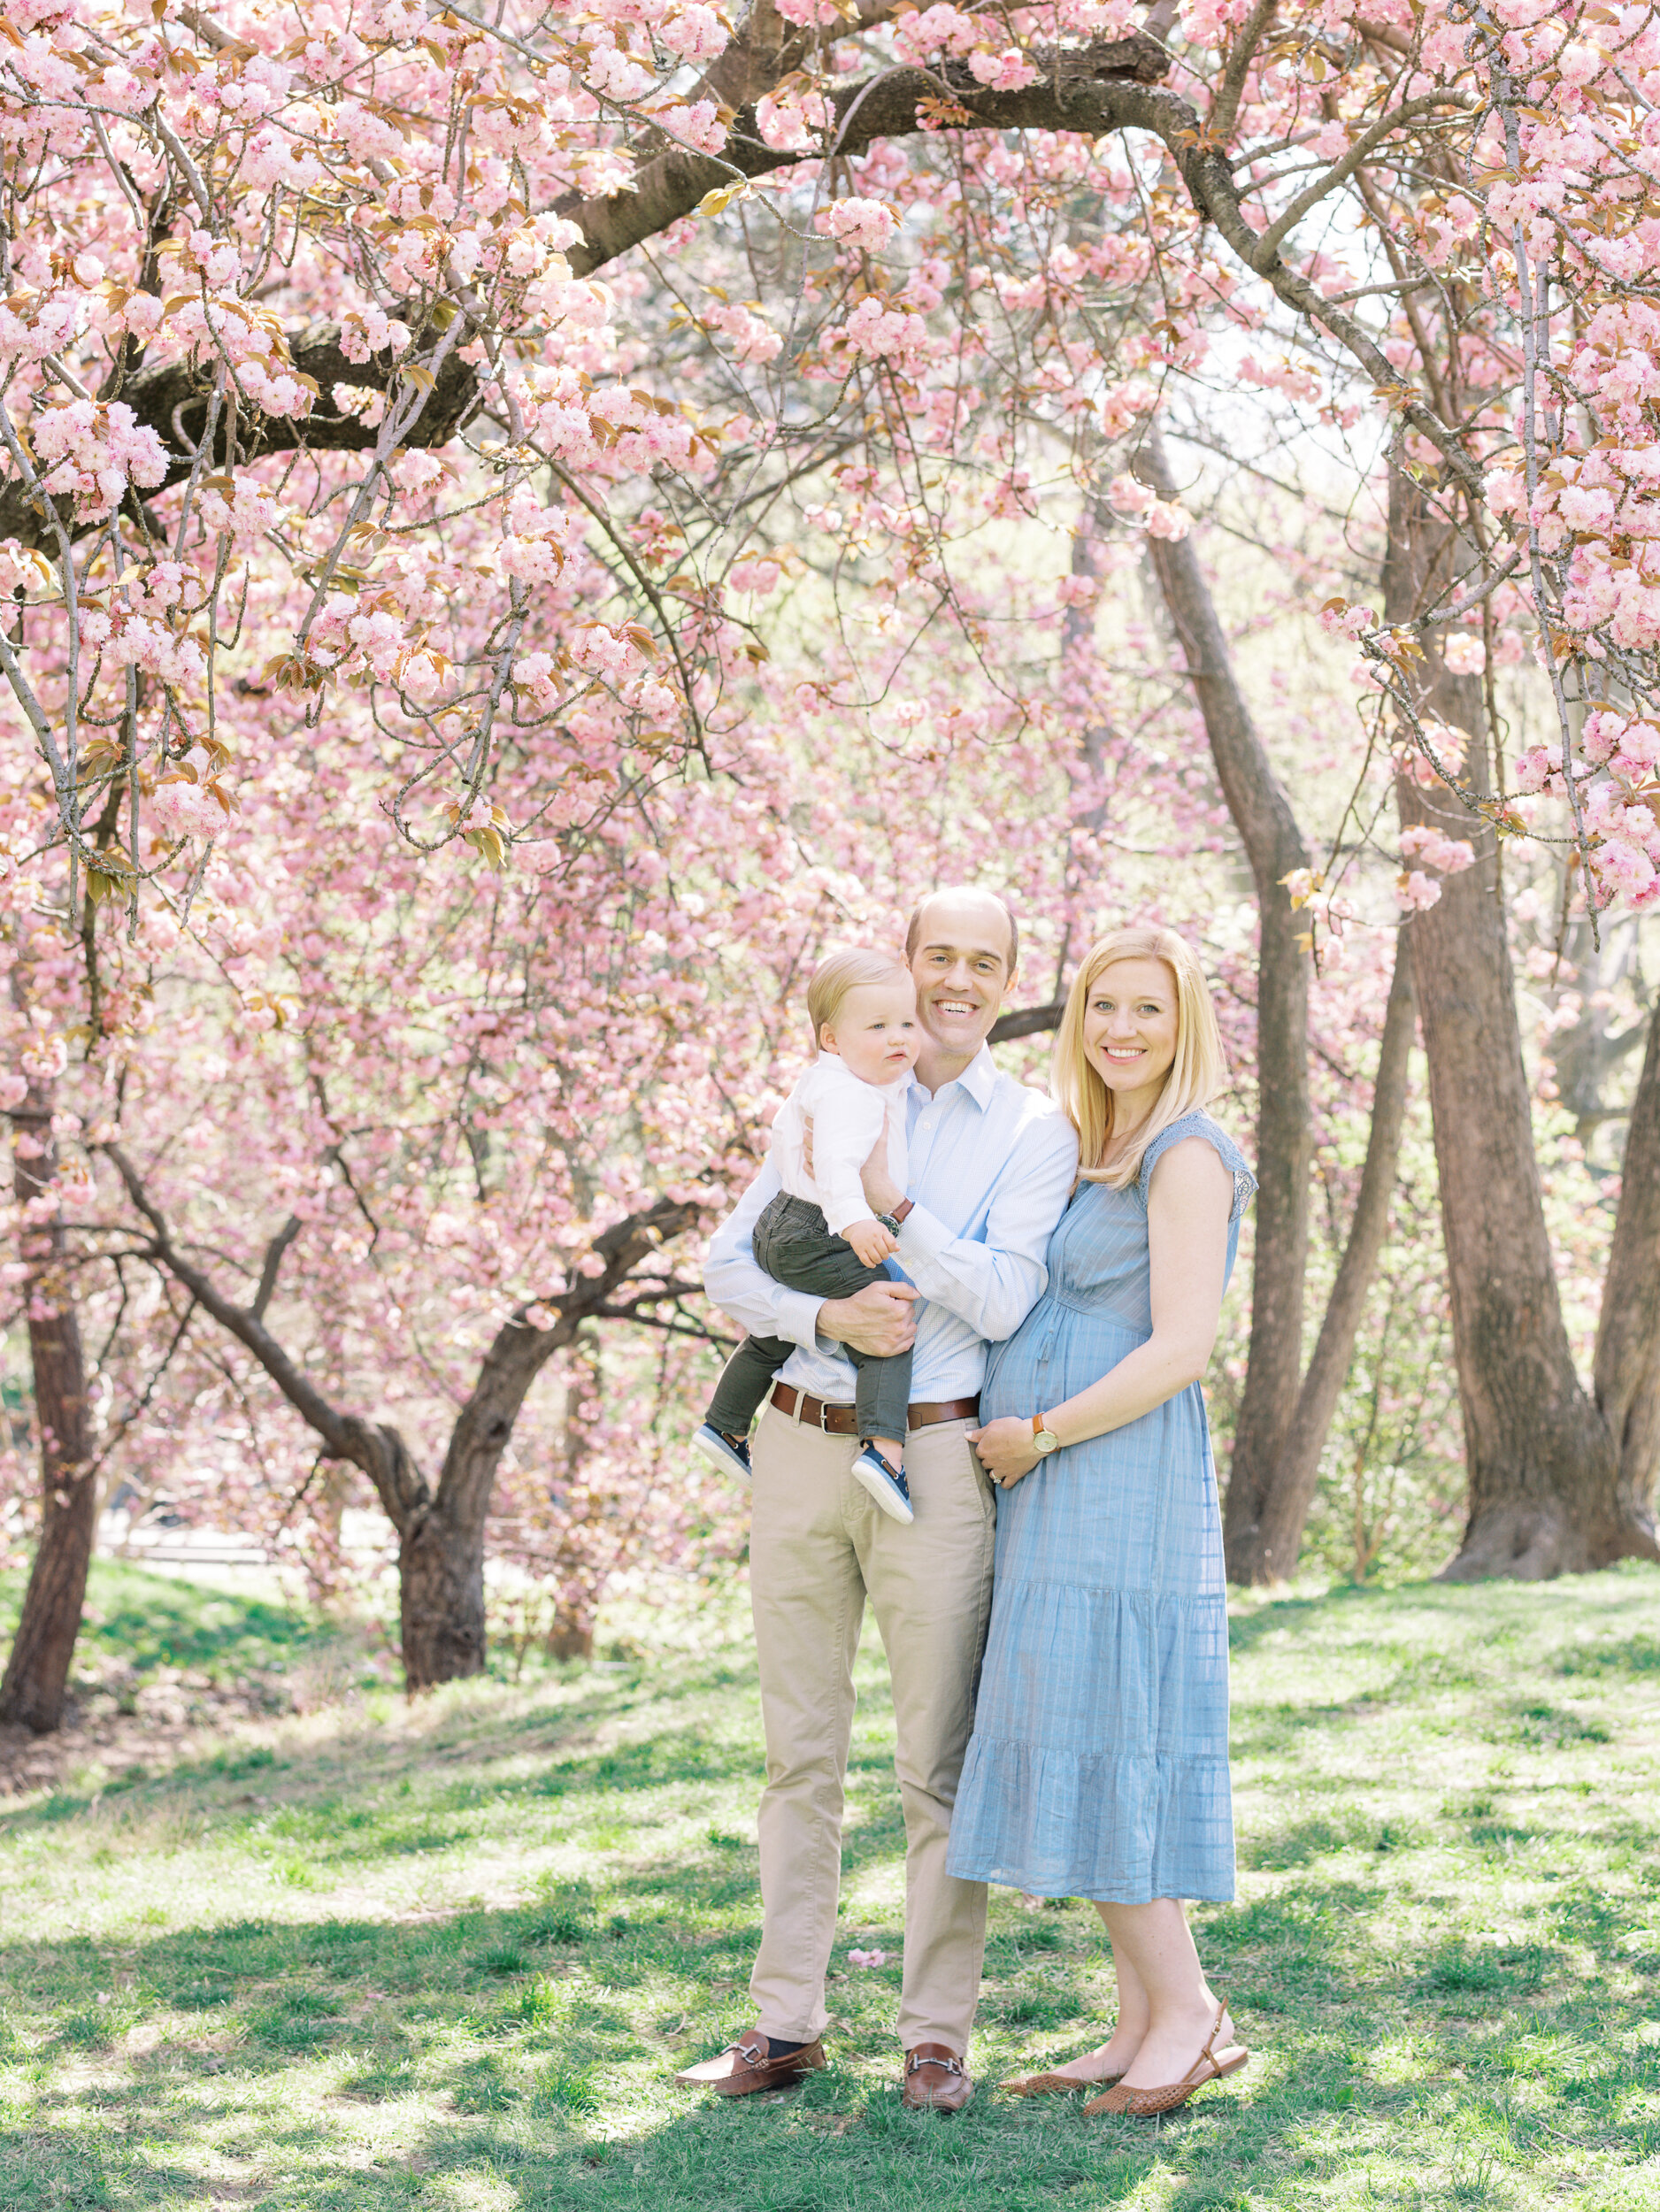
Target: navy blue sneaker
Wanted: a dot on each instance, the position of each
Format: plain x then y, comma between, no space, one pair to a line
720,1451
886,1483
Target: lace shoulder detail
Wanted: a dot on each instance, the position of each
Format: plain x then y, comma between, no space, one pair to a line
1199,1123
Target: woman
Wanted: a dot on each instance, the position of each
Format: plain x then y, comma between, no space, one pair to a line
1098,1766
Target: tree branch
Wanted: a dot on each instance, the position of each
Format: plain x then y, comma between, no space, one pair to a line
335,1428
1025,1021
1340,173
1110,85
519,1353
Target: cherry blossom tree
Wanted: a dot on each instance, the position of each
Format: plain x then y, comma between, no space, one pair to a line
400,607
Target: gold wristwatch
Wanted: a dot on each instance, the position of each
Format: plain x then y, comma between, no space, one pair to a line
1044,1440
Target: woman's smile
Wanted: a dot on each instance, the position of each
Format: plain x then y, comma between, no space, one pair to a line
1130,1031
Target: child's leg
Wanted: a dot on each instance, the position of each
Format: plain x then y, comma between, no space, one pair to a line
744,1382
793,1244
882,1401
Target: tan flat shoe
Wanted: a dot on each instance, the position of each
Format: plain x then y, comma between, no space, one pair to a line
1054,2085
1148,2104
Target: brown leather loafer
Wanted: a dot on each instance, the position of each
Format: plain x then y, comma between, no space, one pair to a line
937,2079
743,2068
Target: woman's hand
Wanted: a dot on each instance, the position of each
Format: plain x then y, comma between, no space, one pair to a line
1007,1450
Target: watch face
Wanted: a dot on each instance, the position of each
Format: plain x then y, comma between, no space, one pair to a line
1046,1440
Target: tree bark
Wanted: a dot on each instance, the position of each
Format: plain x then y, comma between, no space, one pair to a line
1285,1509
1543,1473
1627,1372
1274,845
37,1672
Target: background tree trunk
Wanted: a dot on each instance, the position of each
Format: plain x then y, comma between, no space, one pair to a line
37,1672
1627,1378
1286,1509
1274,845
1543,1472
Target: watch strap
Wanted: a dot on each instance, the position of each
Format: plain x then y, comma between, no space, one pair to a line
900,1211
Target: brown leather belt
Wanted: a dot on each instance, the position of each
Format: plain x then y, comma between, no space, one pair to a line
843,1421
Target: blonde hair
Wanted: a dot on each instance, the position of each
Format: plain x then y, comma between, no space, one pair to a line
841,972
1196,1074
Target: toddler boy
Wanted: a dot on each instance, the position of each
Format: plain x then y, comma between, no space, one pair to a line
818,1234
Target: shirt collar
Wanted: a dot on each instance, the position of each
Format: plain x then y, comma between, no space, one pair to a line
978,1078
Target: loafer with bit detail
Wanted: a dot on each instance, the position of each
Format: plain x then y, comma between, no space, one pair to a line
746,2067
937,2079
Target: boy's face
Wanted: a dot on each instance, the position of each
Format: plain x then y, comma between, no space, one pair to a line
876,1031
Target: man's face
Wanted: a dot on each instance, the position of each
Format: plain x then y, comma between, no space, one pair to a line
961,966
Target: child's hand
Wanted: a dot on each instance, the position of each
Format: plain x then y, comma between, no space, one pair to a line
870,1241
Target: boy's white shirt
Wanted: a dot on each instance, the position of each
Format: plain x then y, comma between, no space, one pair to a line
848,1116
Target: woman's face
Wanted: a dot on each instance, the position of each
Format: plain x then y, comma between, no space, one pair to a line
1130,1030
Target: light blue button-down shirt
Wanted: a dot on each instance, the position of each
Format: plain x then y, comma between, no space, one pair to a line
991,1166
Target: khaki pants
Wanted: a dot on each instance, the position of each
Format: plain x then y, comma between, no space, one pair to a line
818,1546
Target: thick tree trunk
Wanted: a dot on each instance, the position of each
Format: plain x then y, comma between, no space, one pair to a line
1273,844
1543,1472
441,1601
1285,1509
37,1672
1628,1337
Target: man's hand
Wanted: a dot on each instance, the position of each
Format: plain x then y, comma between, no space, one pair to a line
1006,1450
871,1241
880,1320
881,1193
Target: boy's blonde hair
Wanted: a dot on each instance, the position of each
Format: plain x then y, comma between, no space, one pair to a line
841,972
1196,1074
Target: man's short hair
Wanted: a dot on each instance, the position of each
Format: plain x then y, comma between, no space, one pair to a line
913,928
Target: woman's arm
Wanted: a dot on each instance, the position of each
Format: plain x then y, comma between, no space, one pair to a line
1189,1201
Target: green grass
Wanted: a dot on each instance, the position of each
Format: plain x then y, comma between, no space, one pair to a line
448,1958
144,1630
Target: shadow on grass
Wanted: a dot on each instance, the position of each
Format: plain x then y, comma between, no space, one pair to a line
523,2055
515,2030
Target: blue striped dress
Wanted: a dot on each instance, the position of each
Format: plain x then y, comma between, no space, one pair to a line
1098,1767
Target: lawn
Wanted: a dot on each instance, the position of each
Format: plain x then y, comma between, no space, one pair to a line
449,1957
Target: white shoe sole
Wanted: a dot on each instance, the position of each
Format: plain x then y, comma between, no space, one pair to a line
876,1484
716,1455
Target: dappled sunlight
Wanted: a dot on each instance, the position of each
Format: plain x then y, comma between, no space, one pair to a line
521,1908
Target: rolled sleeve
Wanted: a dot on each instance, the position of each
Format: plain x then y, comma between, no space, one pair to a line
747,1292
994,1283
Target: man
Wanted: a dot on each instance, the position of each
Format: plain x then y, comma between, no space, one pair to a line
992,1163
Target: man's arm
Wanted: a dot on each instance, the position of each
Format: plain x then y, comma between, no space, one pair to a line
993,1285
747,1292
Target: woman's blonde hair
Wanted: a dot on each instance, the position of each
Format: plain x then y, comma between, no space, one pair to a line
841,972
1196,1074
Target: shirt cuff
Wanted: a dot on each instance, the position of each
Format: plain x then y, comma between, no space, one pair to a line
922,1236
797,1317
